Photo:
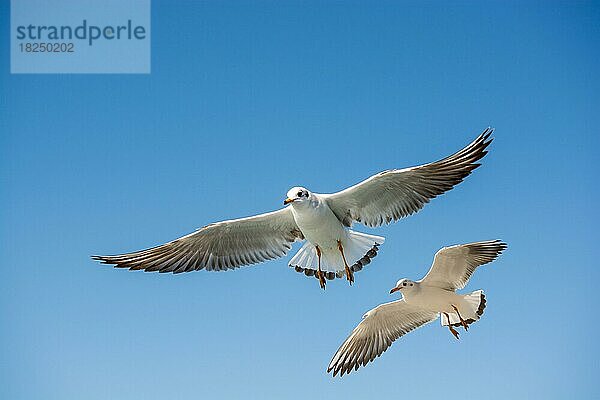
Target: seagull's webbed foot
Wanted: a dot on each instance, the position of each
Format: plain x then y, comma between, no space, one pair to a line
320,274
349,273
462,321
452,330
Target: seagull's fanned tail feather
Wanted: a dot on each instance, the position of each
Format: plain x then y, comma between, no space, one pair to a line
475,302
359,249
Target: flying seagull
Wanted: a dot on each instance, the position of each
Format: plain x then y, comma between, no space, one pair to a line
331,249
422,302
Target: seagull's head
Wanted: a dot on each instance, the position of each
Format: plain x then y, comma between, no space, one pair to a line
297,195
403,285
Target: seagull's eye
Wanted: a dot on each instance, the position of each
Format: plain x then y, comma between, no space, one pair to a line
299,194
403,283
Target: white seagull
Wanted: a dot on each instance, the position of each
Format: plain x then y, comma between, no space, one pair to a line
422,302
323,220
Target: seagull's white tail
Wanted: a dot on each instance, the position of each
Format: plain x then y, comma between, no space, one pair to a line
475,305
359,249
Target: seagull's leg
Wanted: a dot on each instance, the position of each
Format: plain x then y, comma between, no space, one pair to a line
462,321
349,273
452,330
320,274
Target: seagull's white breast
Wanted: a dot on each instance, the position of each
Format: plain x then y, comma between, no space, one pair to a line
433,298
319,224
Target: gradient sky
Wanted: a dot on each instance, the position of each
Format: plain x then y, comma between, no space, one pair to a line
248,99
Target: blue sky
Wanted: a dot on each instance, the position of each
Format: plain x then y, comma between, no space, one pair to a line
248,99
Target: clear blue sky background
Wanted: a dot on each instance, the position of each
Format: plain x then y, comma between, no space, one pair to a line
248,99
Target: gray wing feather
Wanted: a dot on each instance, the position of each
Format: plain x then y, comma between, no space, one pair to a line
219,246
376,332
453,266
394,194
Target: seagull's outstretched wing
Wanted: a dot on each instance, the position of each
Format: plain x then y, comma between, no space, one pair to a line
219,246
394,194
453,266
376,332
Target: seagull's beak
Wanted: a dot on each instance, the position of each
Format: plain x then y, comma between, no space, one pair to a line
288,201
394,290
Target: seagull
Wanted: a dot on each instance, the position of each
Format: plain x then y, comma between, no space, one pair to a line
422,302
331,248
